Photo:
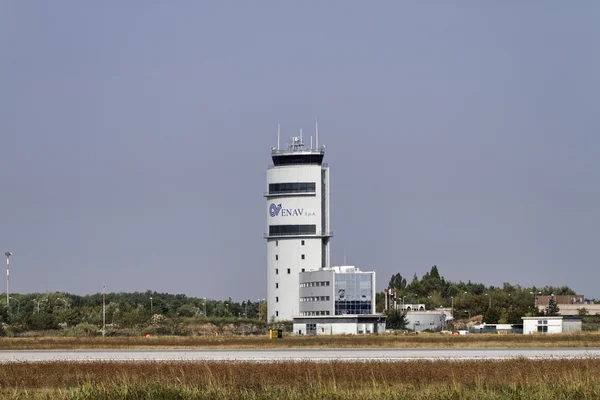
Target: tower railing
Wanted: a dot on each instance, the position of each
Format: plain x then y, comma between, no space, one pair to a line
323,165
317,234
298,151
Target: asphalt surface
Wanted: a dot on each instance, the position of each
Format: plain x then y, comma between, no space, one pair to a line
264,355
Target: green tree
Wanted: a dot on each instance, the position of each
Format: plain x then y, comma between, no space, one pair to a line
396,320
553,308
492,315
187,310
397,282
582,312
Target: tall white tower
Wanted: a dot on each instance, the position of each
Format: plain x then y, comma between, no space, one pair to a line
298,231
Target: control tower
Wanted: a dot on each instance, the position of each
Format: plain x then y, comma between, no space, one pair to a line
298,231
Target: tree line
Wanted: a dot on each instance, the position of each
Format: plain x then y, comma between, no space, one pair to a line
506,304
118,311
152,311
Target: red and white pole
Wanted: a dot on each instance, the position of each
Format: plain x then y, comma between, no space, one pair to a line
7,277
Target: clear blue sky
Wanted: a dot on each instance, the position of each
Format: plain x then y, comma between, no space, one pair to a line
135,139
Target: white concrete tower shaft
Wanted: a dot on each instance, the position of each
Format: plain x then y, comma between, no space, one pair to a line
298,231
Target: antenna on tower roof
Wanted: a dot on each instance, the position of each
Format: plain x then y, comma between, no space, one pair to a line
317,133
278,132
300,135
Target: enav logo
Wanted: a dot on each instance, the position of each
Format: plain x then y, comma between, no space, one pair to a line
274,209
278,210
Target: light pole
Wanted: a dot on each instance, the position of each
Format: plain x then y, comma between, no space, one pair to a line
7,254
205,307
18,305
103,309
227,309
64,301
489,300
452,298
38,304
535,304
260,308
151,306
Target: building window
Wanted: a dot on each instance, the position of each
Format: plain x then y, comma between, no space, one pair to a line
276,285
542,329
292,187
302,242
276,271
277,243
282,230
276,299
302,269
289,271
276,257
303,257
277,313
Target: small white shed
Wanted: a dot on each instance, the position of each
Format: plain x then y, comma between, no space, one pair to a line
545,324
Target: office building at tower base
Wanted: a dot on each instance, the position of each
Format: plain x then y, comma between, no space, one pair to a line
337,300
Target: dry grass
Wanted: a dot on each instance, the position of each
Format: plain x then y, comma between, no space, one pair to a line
520,378
351,341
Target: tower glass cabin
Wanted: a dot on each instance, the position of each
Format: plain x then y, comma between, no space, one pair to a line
298,231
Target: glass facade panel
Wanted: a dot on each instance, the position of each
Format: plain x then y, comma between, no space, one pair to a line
292,187
353,294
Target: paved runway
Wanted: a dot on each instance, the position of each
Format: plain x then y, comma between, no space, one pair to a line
296,354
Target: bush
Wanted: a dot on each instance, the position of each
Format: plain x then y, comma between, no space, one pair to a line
396,320
83,330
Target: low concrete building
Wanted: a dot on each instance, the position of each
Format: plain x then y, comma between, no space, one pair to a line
544,300
501,329
339,324
575,309
575,305
426,320
544,324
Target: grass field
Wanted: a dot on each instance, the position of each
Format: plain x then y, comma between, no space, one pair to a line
519,378
433,340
